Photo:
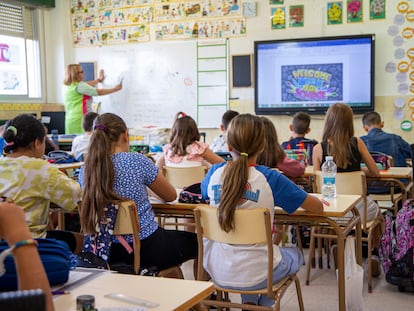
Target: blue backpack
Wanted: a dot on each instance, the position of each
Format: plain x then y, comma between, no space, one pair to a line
56,257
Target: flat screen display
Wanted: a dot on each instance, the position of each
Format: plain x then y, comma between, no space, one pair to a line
310,74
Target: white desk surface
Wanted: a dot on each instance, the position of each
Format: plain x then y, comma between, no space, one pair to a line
171,294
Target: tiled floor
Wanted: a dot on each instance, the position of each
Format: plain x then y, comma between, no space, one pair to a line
322,293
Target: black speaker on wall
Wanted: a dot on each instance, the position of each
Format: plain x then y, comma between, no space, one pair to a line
242,70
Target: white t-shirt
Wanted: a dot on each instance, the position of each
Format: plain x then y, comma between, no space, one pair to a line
245,265
80,145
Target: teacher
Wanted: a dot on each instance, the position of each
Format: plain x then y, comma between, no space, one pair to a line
78,96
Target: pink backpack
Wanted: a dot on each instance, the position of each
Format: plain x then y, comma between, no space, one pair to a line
397,245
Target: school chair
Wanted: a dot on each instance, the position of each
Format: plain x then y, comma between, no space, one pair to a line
127,222
346,183
386,192
252,226
181,177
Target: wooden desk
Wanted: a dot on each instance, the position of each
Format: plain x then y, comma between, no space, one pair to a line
171,294
338,207
397,174
66,166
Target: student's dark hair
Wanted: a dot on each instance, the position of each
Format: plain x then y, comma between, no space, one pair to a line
300,123
227,117
183,133
337,132
371,118
87,121
21,131
99,173
273,151
246,136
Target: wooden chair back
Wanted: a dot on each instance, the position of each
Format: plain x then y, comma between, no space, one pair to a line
252,226
181,177
127,222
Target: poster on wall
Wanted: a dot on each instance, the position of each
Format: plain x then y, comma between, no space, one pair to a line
13,77
376,9
275,2
354,11
334,12
312,82
278,17
296,16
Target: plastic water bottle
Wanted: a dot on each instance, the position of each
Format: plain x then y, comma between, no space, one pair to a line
328,175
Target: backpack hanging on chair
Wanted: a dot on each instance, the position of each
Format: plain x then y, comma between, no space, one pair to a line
397,248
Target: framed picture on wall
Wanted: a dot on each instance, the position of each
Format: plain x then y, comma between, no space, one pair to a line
334,12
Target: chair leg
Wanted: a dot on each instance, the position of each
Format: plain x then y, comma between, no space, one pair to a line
299,293
369,259
320,259
311,256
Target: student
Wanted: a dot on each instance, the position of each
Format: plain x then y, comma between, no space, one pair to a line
111,173
300,128
225,185
30,271
348,152
380,141
274,156
338,141
30,181
80,143
185,148
219,143
78,96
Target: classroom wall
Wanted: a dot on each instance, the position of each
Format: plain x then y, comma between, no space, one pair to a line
60,52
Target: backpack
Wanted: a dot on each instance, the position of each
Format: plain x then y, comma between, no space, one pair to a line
397,247
60,156
56,257
192,194
381,160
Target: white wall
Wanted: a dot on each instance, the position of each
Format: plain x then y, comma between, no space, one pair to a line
60,52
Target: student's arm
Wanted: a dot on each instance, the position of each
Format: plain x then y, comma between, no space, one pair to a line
312,204
317,157
161,162
211,157
163,188
371,168
30,270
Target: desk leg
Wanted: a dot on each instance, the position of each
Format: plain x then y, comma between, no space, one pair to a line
61,220
341,268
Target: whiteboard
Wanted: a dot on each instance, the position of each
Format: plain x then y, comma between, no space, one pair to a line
159,79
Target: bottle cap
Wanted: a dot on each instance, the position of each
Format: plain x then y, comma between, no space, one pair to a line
329,158
85,302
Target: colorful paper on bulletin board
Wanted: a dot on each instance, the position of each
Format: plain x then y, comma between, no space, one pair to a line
377,9
334,12
276,1
296,16
278,18
354,11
